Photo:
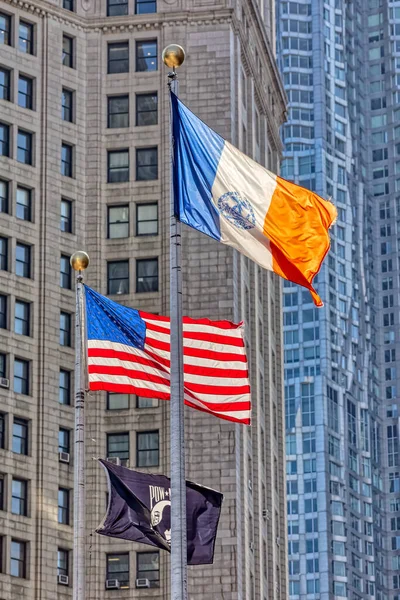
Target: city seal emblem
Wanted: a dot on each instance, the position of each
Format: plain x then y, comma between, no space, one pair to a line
237,210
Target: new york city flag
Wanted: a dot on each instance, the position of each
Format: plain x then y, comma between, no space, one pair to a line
225,194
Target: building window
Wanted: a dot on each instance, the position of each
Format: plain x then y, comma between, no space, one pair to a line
147,219
24,147
118,111
21,376
1,500
3,311
310,505
63,440
65,329
117,401
3,372
116,8
69,5
352,422
20,436
294,588
118,166
65,272
118,58
4,193
64,395
148,567
2,430
146,109
22,317
3,254
5,88
4,139
19,497
67,100
142,402
118,277
146,56
146,164
392,445
339,589
68,51
147,275
5,29
25,92
308,443
62,555
147,449
24,204
66,216
63,506
290,444
23,260
66,160
25,37
145,7
118,221
18,559
118,446
118,568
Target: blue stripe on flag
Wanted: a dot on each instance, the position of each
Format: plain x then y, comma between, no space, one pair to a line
112,322
197,152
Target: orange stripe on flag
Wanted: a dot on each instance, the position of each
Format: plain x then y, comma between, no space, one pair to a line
297,224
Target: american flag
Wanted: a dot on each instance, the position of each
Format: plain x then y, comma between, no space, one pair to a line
129,353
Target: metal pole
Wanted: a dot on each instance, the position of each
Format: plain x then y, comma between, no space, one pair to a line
173,57
177,434
79,261
238,448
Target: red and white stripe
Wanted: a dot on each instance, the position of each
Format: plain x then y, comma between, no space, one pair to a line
216,378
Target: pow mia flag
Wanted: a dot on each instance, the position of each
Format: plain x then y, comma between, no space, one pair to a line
139,510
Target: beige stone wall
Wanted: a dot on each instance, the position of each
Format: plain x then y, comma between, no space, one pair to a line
221,42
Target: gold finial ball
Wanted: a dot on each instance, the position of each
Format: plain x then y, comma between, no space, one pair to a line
173,56
79,261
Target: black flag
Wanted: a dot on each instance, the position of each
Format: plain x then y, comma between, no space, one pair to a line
139,510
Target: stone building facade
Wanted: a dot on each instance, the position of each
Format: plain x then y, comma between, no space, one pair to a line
84,164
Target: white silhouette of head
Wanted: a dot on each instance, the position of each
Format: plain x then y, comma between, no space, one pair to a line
157,516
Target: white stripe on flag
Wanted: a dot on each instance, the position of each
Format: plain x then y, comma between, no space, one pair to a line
254,184
189,378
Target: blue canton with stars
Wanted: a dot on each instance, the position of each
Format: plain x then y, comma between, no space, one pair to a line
108,321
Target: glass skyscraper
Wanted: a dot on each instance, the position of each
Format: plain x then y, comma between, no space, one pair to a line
340,62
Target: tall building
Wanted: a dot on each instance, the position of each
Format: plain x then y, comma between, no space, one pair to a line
84,164
339,63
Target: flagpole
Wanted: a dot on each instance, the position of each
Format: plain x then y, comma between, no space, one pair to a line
173,56
238,448
79,262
